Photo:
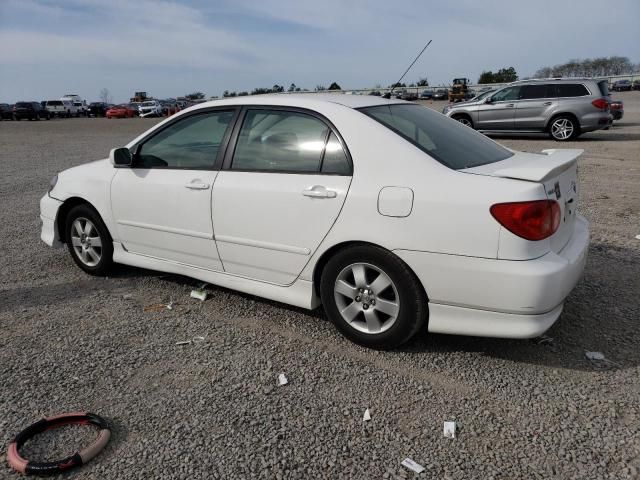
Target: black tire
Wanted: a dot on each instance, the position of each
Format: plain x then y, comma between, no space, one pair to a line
412,311
570,122
105,262
463,119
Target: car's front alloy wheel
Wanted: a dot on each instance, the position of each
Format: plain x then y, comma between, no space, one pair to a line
88,240
372,297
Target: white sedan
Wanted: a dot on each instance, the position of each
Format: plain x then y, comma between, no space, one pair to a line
390,215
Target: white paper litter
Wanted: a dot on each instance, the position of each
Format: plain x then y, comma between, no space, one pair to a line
411,465
170,306
594,356
599,360
197,339
199,295
282,379
367,416
637,237
450,429
184,342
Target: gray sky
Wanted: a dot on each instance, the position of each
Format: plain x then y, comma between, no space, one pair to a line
170,48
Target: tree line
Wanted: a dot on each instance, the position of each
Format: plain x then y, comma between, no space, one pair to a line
590,67
504,75
277,89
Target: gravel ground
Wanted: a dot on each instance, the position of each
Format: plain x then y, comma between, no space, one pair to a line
214,409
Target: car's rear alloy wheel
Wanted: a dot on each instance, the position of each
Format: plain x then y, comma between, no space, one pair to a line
563,129
88,240
372,297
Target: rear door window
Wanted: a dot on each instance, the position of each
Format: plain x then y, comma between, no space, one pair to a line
572,90
532,92
287,141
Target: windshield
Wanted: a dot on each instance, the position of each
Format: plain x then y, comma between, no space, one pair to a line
447,141
148,104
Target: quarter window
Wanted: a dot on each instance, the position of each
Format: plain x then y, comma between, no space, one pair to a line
281,141
191,143
572,90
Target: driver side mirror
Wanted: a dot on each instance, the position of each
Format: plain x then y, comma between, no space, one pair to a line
488,100
121,157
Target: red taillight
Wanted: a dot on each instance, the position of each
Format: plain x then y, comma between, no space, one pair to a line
600,104
535,220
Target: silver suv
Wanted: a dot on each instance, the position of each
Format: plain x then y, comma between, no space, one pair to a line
563,108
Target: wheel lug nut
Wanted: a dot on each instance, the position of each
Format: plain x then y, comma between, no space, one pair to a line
358,298
365,306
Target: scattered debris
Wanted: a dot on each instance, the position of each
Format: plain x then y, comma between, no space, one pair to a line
411,465
602,197
156,307
450,429
599,360
367,416
637,237
194,340
282,379
543,339
170,305
199,294
127,296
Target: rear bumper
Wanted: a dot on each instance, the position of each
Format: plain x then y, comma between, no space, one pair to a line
48,214
595,121
502,298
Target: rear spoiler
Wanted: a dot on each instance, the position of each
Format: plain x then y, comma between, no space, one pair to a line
542,167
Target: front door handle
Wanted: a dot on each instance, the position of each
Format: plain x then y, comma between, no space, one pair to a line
509,105
195,185
318,191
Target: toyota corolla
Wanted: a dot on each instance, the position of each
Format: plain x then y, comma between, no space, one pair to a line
391,216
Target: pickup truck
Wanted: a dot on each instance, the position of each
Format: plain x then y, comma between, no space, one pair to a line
60,108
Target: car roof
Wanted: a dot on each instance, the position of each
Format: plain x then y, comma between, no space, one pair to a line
309,100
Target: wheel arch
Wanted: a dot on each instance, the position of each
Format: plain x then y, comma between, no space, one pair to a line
457,115
64,210
330,252
572,115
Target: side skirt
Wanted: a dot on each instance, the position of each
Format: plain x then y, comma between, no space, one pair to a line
300,294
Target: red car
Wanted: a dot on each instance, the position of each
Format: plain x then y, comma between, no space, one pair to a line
121,111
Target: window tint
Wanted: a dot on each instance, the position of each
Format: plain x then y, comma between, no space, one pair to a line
335,159
506,94
531,92
571,90
272,140
446,140
189,143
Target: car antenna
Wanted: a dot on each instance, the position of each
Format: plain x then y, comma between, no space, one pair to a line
388,94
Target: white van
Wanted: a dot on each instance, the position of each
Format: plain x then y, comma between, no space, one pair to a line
79,105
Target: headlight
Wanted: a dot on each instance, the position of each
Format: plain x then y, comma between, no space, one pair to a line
53,182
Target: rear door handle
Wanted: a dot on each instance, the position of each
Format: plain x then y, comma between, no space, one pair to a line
318,191
197,185
546,104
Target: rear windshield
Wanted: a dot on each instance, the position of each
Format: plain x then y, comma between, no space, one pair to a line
54,102
23,104
604,88
448,141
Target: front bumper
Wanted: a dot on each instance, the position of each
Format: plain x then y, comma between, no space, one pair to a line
499,298
48,214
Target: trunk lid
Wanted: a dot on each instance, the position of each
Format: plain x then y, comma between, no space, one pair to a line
556,170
